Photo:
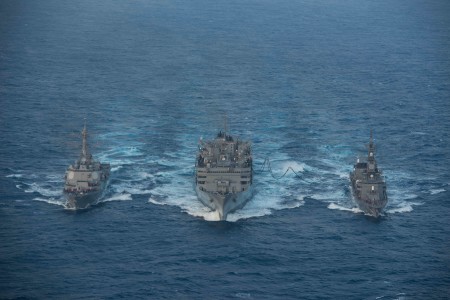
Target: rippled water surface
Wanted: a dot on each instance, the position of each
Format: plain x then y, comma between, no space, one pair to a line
305,81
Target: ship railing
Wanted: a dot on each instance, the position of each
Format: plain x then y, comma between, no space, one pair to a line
227,171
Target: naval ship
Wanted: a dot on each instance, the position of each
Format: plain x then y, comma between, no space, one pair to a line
224,174
86,180
369,188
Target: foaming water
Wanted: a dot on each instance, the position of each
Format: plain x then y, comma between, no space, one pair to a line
169,180
118,197
335,206
152,77
402,190
177,185
333,175
43,189
326,180
59,202
437,191
404,207
129,176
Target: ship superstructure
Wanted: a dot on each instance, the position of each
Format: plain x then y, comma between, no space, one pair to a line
86,179
368,185
224,174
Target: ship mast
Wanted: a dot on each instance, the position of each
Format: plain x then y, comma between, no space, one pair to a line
371,147
371,163
84,150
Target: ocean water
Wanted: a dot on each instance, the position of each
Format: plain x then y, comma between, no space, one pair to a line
305,81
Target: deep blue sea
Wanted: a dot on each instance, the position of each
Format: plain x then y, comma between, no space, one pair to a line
304,80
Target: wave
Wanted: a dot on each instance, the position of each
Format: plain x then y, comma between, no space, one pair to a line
205,214
329,196
404,207
294,165
174,184
187,202
44,191
437,191
335,206
168,180
54,201
177,189
118,197
115,168
402,187
131,174
133,182
418,133
14,176
137,191
53,178
121,156
120,152
47,186
130,168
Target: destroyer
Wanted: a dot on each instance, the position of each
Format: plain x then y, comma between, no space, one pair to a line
224,174
86,180
369,188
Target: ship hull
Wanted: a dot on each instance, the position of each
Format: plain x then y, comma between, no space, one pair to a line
83,200
224,203
370,197
369,209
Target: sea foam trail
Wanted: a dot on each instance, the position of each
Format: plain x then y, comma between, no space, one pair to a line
129,172
47,186
130,168
188,204
403,207
401,186
117,197
343,208
44,191
176,183
282,166
177,189
59,202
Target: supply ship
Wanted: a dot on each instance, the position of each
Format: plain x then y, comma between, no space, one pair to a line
223,173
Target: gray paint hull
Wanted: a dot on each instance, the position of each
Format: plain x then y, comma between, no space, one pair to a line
371,203
368,185
85,200
368,208
224,203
